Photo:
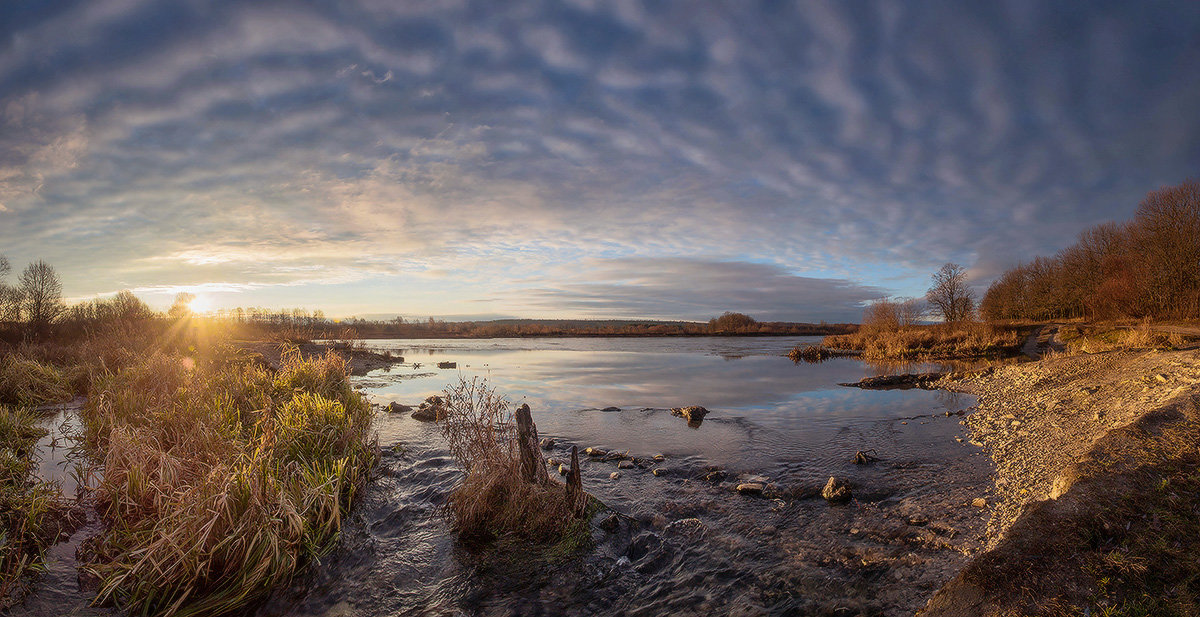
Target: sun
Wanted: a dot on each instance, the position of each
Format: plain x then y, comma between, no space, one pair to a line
200,304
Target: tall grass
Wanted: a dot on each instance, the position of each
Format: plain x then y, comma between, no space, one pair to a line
494,502
957,340
26,382
31,510
221,477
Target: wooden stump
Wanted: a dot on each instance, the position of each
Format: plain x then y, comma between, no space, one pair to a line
533,469
575,495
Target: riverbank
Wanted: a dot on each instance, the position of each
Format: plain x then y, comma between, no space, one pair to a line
955,341
1095,487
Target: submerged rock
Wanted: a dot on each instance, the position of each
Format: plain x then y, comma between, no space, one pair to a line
692,527
611,409
394,407
431,410
597,452
626,465
836,491
750,488
547,443
692,413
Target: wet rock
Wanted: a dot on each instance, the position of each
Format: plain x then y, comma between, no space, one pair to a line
836,491
394,407
614,475
865,457
547,443
715,476
596,452
750,488
563,470
610,523
626,465
447,365
691,527
979,502
692,413
899,382
659,471
611,409
431,410
659,458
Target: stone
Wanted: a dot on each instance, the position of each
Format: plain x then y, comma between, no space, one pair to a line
692,527
693,413
659,471
611,409
610,523
979,502
715,476
547,443
659,458
431,410
394,407
614,475
626,465
597,452
750,488
836,491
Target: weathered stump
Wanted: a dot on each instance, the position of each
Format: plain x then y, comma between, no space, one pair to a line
533,470
576,498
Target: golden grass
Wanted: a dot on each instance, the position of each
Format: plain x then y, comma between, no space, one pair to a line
493,502
31,511
942,341
222,478
26,382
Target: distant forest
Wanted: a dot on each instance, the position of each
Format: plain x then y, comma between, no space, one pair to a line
1148,267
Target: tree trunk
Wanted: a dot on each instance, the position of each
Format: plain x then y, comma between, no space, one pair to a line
575,495
533,469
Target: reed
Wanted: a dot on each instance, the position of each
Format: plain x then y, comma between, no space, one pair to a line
958,340
222,478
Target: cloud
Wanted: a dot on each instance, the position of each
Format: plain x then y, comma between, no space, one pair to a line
692,289
147,144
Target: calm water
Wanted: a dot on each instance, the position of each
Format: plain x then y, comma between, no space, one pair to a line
792,555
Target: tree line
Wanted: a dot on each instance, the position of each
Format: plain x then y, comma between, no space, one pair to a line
1145,267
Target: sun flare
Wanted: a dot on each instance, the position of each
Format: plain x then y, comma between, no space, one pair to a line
201,304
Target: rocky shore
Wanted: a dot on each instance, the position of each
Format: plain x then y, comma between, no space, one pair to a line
1083,447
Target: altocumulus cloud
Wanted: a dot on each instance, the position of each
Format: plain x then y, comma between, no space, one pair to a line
263,145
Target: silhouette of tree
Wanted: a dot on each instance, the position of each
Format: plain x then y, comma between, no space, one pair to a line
950,295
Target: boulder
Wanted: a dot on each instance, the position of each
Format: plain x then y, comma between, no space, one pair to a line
836,490
394,407
547,443
693,413
626,465
597,452
611,409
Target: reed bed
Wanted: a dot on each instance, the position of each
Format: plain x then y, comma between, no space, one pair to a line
958,340
222,478
31,511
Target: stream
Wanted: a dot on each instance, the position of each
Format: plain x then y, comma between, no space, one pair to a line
687,542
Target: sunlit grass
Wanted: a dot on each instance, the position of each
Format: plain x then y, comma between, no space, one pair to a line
222,478
959,340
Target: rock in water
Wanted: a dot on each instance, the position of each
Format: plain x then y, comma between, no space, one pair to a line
595,452
563,470
611,409
836,491
610,523
979,502
395,407
447,365
693,413
626,465
431,410
547,443
750,488
614,475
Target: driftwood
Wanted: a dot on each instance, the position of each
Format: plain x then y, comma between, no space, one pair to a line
533,468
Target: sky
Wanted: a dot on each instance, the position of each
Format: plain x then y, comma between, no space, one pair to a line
627,158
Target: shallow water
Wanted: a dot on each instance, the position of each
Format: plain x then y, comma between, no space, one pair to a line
909,528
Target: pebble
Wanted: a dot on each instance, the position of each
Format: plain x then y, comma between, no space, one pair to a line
750,488
626,465
614,475
979,502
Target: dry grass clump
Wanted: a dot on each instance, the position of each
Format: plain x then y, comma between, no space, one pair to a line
222,478
957,340
1094,340
494,501
25,382
31,511
811,354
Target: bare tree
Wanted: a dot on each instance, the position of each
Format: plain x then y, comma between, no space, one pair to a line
9,308
950,295
182,306
911,310
41,296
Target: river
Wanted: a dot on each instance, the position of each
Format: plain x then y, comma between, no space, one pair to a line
909,528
